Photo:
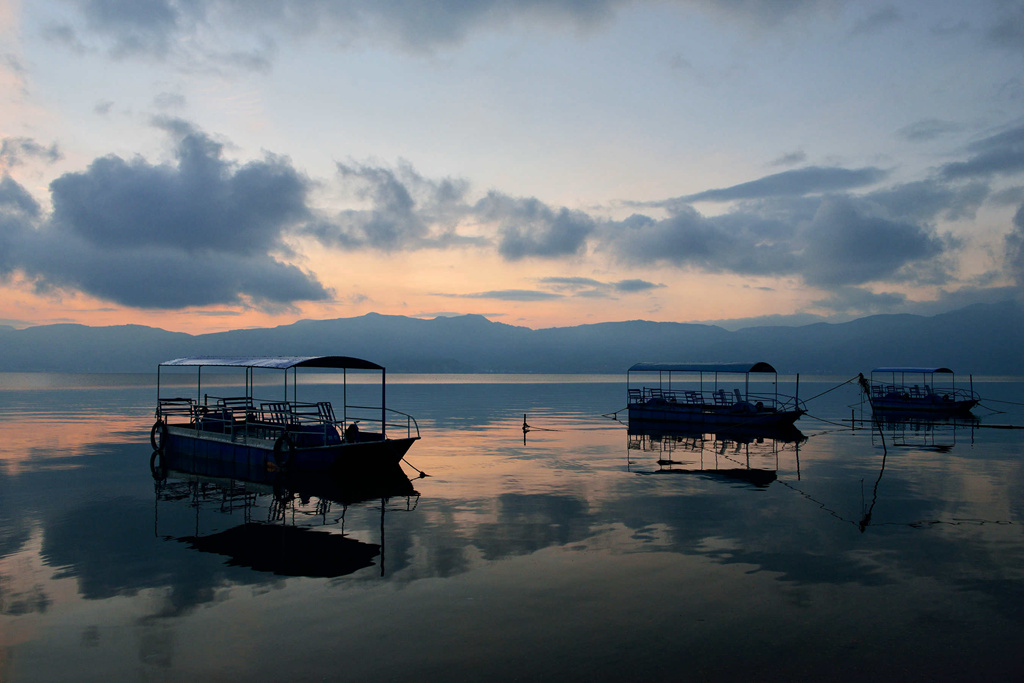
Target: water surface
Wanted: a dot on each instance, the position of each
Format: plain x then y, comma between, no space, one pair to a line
577,550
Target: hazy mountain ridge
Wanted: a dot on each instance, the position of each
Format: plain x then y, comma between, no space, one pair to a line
979,339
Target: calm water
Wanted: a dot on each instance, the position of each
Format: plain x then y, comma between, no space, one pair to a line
850,555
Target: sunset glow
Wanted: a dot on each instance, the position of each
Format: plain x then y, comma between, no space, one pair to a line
209,166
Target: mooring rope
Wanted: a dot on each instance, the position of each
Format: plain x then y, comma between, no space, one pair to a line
852,379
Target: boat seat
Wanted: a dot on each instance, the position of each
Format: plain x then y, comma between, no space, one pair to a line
694,397
720,398
738,395
326,411
276,413
635,395
239,408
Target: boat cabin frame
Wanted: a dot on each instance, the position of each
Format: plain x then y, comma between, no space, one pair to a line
915,389
708,391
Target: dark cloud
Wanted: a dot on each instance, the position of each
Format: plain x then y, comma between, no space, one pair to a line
198,232
528,227
1015,248
136,26
14,151
927,200
14,199
635,285
798,182
201,204
591,288
848,244
739,242
158,28
1007,31
999,154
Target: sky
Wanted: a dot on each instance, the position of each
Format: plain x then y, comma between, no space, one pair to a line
208,165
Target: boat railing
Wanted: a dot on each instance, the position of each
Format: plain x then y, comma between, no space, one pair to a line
923,392
182,409
716,397
396,420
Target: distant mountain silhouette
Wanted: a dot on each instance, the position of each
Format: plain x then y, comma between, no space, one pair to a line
979,339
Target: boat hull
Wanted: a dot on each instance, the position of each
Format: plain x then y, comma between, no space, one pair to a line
257,455
925,406
711,417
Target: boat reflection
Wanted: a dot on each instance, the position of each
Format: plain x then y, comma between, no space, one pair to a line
289,524
924,432
746,457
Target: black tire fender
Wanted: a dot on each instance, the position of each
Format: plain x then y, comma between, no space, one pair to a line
283,450
158,436
156,466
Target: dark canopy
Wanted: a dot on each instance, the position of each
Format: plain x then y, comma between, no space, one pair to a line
741,368
276,362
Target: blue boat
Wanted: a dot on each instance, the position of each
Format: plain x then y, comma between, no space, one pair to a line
258,433
912,390
711,396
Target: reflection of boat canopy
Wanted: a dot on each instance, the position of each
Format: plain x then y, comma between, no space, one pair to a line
282,431
711,406
898,393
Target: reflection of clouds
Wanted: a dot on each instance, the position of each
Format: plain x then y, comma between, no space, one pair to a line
22,577
111,550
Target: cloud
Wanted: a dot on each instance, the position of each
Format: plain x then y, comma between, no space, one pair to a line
1007,30
184,28
591,288
197,232
635,286
511,295
15,200
798,182
528,227
136,26
860,301
738,242
14,152
926,200
572,283
848,244
790,159
406,210
927,130
999,154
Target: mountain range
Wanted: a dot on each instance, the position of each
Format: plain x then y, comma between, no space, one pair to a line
979,339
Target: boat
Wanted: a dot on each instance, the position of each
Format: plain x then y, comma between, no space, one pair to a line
255,434
917,391
717,396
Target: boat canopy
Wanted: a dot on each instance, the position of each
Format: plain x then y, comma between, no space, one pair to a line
276,362
741,368
920,371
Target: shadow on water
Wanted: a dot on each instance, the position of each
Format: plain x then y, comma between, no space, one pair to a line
288,524
749,456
